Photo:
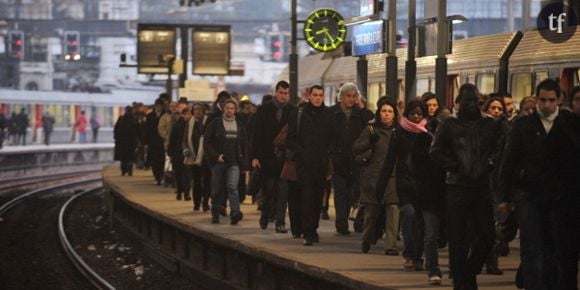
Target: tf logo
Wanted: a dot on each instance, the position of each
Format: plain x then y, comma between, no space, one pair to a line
557,22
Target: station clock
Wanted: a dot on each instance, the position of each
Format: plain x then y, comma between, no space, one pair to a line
324,30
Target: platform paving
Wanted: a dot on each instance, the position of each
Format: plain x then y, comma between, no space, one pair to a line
338,254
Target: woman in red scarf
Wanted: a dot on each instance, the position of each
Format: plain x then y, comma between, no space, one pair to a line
420,202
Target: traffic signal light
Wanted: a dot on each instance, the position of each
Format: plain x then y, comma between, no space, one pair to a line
16,40
71,45
276,47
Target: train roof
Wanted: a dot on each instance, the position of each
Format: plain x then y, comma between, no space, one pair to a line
533,49
114,98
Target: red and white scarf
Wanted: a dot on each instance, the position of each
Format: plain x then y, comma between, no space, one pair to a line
414,127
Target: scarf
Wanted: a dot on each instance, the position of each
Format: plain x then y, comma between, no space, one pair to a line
414,127
547,121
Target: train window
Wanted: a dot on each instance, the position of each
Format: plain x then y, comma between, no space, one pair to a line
485,83
422,86
540,76
521,86
374,92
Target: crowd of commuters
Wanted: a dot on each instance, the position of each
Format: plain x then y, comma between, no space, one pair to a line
467,177
13,130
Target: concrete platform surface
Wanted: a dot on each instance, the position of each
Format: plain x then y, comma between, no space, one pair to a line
339,254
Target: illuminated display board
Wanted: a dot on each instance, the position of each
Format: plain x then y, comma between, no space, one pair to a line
154,42
211,50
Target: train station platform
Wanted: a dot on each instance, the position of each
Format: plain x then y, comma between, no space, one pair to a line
245,257
18,161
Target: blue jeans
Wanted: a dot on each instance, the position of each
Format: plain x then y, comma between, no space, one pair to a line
537,237
343,187
432,227
229,175
82,137
413,230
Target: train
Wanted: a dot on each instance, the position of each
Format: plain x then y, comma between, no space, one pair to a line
514,62
66,107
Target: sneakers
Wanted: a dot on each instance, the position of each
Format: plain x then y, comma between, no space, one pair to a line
435,280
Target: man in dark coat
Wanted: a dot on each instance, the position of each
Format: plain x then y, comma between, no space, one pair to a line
125,134
464,146
268,120
155,147
22,122
542,152
3,125
309,139
47,127
346,124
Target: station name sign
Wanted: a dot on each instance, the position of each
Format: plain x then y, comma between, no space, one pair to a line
368,38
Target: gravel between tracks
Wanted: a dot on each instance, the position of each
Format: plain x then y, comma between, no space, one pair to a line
115,253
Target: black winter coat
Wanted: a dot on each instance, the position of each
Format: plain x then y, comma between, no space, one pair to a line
266,128
214,139
125,134
419,180
175,147
343,134
544,165
154,141
465,149
311,144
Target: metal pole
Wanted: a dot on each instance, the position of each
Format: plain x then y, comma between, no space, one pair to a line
362,75
526,9
441,61
184,54
411,64
392,79
293,68
169,83
510,15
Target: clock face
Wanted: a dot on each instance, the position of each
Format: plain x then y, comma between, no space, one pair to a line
324,30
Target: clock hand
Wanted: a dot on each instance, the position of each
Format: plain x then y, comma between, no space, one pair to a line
329,36
322,30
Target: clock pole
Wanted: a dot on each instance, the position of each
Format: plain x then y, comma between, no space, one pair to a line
293,68
392,79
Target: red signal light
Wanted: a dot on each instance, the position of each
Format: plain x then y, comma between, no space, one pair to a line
277,43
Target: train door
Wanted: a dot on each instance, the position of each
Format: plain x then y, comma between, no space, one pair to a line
570,78
453,83
520,86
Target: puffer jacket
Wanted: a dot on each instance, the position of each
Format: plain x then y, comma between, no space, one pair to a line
465,149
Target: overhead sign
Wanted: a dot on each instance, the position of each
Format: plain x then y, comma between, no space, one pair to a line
211,51
427,39
154,46
367,7
368,38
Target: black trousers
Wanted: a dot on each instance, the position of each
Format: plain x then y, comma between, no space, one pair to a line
156,160
201,185
294,208
311,193
469,213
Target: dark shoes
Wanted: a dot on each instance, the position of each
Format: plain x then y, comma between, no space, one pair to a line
324,215
187,196
366,247
215,219
418,265
281,229
236,217
263,223
316,238
344,232
178,197
196,207
296,236
308,241
205,207
391,252
493,271
224,212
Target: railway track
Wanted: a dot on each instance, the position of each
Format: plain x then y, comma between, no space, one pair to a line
32,250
